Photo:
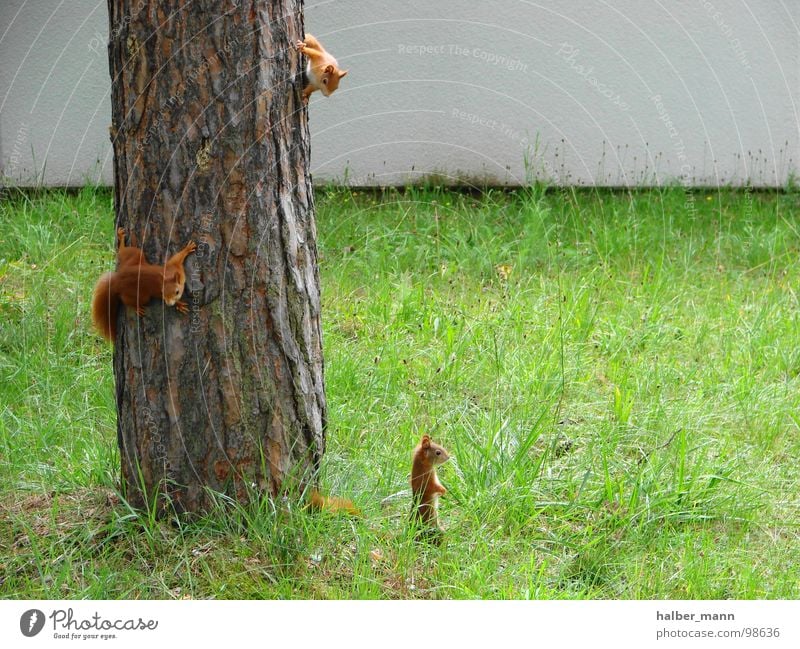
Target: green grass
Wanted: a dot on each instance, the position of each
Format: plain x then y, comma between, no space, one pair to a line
618,377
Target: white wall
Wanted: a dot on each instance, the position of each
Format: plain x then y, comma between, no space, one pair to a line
54,90
615,92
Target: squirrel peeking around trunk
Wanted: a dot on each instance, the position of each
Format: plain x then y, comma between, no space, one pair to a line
425,485
322,70
135,283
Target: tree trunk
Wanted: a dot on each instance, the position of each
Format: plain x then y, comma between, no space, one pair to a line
211,143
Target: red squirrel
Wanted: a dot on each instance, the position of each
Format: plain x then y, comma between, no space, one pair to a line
135,283
332,504
425,484
322,70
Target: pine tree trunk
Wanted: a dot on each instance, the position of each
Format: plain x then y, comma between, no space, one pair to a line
211,143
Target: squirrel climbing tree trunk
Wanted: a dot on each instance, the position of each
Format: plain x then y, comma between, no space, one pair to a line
211,143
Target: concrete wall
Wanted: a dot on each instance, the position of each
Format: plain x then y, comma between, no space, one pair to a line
611,92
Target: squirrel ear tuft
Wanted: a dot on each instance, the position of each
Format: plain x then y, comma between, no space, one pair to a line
343,73
328,69
426,441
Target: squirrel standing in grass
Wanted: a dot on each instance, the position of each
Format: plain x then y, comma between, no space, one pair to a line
135,283
322,70
425,485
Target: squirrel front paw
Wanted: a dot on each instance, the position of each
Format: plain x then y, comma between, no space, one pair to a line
182,307
299,46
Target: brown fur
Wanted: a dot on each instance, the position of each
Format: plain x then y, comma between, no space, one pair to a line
332,504
322,70
135,283
425,484
128,255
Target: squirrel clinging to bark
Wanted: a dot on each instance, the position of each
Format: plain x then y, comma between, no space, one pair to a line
322,70
425,485
135,283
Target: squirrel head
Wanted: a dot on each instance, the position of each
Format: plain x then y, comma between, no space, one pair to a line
330,79
172,288
432,452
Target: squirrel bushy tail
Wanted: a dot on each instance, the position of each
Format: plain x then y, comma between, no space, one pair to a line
105,306
332,504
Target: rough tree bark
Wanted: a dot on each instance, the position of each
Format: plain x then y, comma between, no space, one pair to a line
211,143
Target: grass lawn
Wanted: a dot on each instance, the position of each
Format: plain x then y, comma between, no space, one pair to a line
617,375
